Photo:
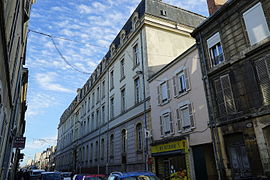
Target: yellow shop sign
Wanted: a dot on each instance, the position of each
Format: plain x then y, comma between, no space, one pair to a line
178,145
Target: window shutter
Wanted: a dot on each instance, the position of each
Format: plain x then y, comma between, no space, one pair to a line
159,94
187,79
171,122
178,119
227,93
175,86
186,117
191,116
168,89
161,125
263,67
219,98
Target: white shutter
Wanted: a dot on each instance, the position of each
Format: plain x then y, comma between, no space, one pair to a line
175,85
186,72
171,122
166,123
256,24
191,115
178,116
161,125
186,117
168,90
227,93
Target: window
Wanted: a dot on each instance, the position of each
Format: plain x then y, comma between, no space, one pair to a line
135,21
263,69
224,95
124,141
103,89
97,118
97,150
89,102
122,68
93,99
185,120
163,92
256,25
86,155
137,89
102,151
215,49
123,99
112,79
163,12
166,124
103,114
181,82
139,137
92,121
112,146
98,94
112,107
136,55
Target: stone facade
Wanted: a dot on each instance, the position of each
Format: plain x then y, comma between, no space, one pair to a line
234,54
98,129
14,16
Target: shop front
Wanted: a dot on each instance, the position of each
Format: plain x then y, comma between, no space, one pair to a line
171,160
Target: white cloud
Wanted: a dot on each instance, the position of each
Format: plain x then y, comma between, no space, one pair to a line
83,9
47,82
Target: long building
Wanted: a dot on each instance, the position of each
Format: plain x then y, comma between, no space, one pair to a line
234,46
14,17
107,125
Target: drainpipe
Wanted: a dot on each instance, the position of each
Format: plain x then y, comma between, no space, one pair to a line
210,107
108,114
144,105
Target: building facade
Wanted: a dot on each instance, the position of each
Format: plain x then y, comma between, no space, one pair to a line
14,16
182,143
105,127
234,51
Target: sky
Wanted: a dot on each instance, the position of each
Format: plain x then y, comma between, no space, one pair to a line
82,32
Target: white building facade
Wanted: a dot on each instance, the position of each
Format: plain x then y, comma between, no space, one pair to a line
103,129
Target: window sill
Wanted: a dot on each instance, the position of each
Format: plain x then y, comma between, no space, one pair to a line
139,151
255,47
122,78
111,88
186,130
166,102
182,94
135,66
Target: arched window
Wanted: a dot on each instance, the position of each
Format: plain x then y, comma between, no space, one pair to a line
112,146
112,49
139,137
124,140
135,21
122,37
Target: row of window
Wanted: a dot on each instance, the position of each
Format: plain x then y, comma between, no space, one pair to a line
95,151
180,83
256,27
184,120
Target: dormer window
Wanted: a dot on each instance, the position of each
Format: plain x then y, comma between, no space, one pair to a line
135,21
163,12
122,37
112,49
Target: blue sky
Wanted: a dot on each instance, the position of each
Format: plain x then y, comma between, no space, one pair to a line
52,82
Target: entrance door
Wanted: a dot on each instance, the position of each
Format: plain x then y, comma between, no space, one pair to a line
238,156
167,166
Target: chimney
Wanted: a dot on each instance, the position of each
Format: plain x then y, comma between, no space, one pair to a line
214,5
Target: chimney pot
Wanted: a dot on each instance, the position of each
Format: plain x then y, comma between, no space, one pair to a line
214,5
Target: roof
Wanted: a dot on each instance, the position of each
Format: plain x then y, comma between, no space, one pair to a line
130,174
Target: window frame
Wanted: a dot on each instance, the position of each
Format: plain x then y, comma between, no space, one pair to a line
161,100
136,54
137,92
170,125
180,117
212,43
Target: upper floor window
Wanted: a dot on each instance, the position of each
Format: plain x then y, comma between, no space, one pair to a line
93,99
91,152
215,49
136,55
98,94
97,151
112,107
112,79
224,95
112,146
103,87
103,114
185,119
122,37
166,123
102,151
123,99
135,21
97,118
137,89
181,82
163,92
263,67
122,68
256,24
